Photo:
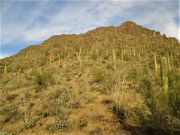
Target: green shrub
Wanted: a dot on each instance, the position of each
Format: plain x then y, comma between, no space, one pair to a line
126,57
55,94
29,123
132,74
94,55
99,75
174,92
164,117
42,113
130,108
58,99
29,119
156,110
59,125
7,112
62,122
146,88
42,77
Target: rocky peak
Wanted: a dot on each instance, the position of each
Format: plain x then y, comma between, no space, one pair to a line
128,24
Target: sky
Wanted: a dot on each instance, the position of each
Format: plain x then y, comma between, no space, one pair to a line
27,22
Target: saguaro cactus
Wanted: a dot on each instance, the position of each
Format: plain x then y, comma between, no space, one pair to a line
114,58
155,64
79,57
50,59
19,71
164,74
169,62
59,57
122,55
97,53
134,52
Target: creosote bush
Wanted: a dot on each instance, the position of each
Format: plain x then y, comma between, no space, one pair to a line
42,77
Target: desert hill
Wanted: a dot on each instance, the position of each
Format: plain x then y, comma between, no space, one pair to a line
121,80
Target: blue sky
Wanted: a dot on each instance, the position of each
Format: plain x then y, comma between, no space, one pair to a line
27,22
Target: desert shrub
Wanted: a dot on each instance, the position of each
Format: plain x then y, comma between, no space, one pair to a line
109,83
94,55
59,125
136,74
164,108
130,108
106,57
8,112
174,92
119,52
62,122
29,119
60,95
146,88
42,77
42,113
132,74
66,73
95,131
29,123
99,75
96,116
126,57
81,122
55,94
6,133
59,99
151,63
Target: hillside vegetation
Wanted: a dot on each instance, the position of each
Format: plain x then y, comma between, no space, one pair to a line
122,80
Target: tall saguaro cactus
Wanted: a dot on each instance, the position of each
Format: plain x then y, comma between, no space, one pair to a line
114,58
169,62
164,74
171,58
19,71
122,55
79,57
97,54
50,58
155,64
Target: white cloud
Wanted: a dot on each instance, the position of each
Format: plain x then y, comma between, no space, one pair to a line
163,20
16,20
78,18
81,16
